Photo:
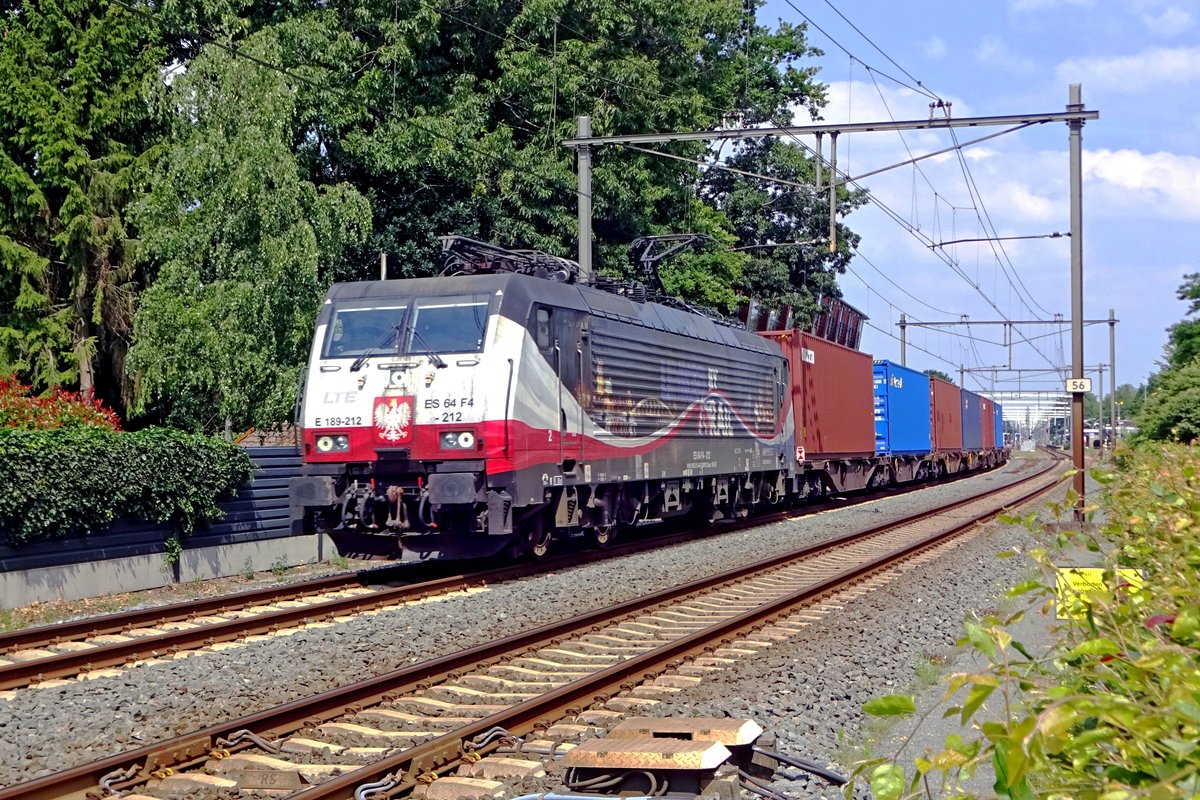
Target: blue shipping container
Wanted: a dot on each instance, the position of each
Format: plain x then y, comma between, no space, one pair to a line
972,421
901,410
999,426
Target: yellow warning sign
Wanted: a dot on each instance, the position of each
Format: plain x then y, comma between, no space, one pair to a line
1077,586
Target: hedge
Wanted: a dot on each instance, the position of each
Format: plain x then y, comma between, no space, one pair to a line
70,481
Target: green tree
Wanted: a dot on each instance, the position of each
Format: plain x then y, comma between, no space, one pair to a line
782,227
471,102
1172,409
240,238
73,125
937,373
1129,400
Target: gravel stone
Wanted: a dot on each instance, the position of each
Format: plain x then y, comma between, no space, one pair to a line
808,690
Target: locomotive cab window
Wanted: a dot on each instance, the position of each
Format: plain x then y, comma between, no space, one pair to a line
449,325
354,331
542,329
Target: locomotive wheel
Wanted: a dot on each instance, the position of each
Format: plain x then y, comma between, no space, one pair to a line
602,536
539,543
534,539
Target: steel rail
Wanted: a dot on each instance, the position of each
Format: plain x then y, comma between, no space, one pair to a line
56,633
194,748
61,665
445,752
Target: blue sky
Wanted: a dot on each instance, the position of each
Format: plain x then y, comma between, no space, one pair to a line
1139,65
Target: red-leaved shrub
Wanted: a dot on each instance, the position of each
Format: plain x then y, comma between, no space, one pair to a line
20,408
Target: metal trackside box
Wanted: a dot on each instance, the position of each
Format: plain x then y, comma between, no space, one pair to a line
902,410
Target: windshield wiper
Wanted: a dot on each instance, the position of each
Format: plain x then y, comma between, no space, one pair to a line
392,333
427,351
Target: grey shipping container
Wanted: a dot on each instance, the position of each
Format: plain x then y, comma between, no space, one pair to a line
972,421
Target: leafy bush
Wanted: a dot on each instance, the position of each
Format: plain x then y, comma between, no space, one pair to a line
55,483
1112,710
59,409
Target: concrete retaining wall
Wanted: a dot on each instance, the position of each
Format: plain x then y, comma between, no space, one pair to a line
150,571
255,533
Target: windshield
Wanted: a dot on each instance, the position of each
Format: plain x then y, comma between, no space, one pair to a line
358,331
436,325
449,325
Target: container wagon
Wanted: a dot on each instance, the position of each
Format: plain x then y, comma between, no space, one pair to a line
832,399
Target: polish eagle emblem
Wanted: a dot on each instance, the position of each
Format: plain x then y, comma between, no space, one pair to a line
393,419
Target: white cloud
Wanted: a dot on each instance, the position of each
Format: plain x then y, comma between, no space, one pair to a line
1023,201
1139,72
1167,183
1171,21
935,47
995,54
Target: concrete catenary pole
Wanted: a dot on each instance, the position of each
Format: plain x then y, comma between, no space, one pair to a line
584,162
1075,126
903,340
833,183
1112,363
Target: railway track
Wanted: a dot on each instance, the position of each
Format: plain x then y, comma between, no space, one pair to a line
556,686
103,646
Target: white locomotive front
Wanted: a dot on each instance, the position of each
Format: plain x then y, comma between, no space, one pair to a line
398,406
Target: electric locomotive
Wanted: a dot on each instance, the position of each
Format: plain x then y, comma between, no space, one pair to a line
503,404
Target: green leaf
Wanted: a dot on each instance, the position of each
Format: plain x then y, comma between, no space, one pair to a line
1002,764
980,640
1186,624
1025,586
887,782
892,705
1099,646
1020,648
975,697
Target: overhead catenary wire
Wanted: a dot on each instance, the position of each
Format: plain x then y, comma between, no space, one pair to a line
735,170
973,189
916,88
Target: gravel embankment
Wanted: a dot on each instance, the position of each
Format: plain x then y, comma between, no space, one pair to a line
806,694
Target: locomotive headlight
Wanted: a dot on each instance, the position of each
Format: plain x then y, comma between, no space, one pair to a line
457,440
339,443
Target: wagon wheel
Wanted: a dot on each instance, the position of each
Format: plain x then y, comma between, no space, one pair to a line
539,542
601,536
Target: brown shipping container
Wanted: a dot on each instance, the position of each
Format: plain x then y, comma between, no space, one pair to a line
988,420
832,396
945,409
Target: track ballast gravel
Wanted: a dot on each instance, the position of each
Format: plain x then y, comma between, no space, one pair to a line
805,695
